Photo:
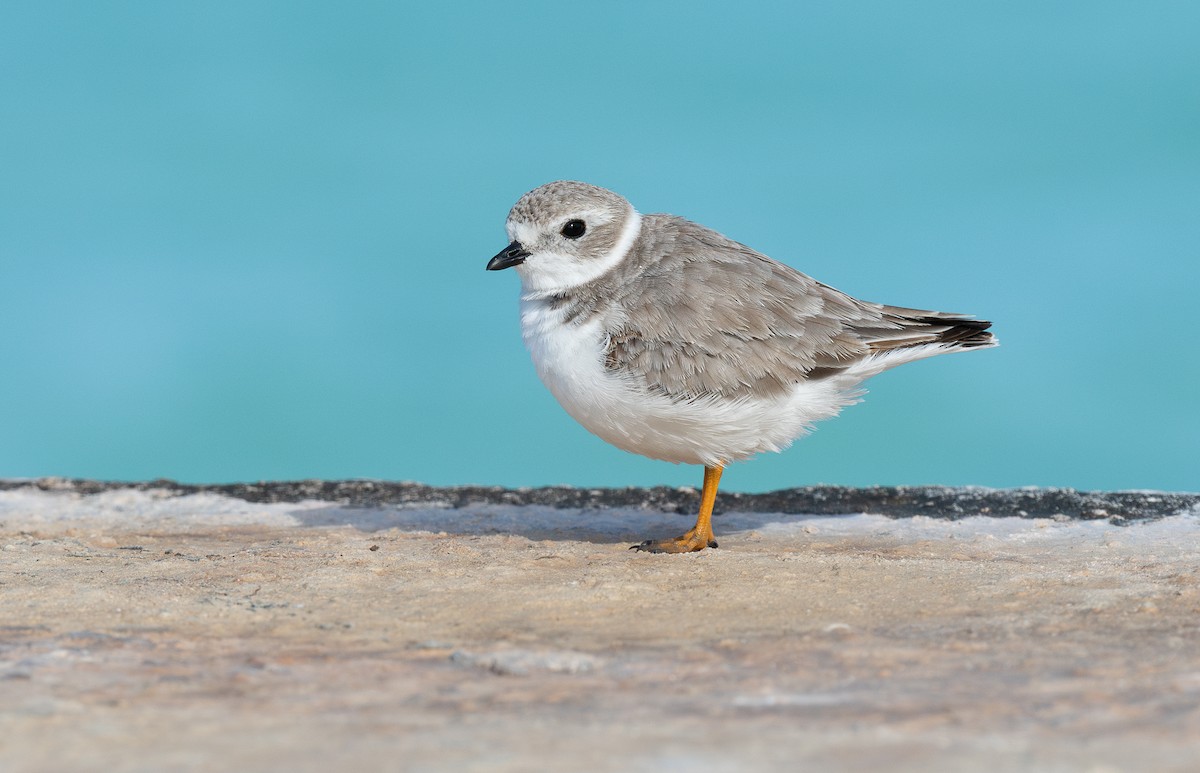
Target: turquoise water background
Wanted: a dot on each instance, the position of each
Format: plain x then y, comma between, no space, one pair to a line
246,240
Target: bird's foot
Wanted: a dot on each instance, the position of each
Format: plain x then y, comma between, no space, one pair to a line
684,543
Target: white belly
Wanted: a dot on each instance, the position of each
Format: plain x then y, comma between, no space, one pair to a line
570,361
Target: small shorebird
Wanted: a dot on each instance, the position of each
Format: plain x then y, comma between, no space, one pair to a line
669,340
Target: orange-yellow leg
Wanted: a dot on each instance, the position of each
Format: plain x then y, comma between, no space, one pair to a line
699,536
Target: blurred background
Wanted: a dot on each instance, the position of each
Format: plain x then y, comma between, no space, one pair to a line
246,240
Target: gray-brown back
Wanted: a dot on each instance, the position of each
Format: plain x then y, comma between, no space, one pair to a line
691,314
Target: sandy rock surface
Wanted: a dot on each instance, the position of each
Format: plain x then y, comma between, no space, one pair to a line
150,629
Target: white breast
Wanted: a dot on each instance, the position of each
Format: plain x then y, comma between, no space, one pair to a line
569,358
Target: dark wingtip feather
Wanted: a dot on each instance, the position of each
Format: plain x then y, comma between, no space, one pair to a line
961,331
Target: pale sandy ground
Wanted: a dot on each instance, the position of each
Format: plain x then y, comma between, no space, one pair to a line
141,631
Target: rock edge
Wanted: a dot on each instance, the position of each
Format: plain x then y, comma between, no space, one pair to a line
942,502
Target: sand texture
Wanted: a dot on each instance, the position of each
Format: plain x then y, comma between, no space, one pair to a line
149,627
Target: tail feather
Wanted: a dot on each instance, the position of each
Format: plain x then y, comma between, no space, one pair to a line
898,335
902,328
963,332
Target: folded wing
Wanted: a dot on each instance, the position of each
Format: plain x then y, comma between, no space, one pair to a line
715,318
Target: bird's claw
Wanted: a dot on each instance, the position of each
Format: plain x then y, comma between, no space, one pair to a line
684,544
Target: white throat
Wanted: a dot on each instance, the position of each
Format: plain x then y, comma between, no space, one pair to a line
548,273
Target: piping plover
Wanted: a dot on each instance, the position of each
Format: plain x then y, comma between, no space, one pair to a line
669,340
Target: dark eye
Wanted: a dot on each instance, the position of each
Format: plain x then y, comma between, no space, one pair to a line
573,229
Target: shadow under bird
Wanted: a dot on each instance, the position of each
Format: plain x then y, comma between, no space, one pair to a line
669,340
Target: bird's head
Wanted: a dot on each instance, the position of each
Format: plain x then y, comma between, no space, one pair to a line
565,234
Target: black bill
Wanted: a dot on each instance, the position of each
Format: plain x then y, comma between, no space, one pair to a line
512,255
